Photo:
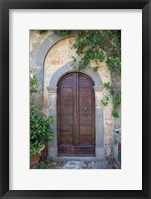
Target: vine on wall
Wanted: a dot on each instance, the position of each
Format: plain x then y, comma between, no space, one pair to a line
97,46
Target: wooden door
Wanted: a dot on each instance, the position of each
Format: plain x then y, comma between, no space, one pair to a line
76,115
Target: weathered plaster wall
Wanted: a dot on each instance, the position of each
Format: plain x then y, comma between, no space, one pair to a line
57,56
35,41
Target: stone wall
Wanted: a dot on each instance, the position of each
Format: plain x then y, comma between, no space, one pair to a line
58,53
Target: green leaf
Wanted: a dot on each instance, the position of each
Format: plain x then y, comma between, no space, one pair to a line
115,114
41,31
96,68
105,100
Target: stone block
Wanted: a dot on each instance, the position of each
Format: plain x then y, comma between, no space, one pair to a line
99,153
52,152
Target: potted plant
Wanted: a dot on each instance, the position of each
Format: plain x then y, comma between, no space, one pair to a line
40,133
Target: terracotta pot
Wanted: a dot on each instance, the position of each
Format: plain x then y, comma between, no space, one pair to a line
35,158
34,161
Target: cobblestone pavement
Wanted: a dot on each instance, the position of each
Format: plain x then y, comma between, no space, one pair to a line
80,164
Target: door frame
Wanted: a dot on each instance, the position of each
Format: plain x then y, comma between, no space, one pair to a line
99,121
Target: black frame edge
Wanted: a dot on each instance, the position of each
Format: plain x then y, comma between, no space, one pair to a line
4,117
4,100
145,99
75,4
1,188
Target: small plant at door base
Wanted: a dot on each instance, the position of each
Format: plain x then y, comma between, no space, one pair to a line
45,165
34,148
39,129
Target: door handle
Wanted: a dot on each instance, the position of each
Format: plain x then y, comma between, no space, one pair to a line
85,111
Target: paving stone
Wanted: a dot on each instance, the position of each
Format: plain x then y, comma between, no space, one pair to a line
70,167
54,164
90,165
82,164
109,167
98,165
73,163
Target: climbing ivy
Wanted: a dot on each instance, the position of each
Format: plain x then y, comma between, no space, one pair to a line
105,100
116,99
97,46
108,87
114,64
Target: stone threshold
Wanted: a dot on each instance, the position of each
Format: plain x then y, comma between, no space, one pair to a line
76,158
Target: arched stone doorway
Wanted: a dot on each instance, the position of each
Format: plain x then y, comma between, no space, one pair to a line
75,115
52,93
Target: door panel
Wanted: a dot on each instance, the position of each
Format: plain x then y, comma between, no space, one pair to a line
66,92
66,120
66,101
66,138
85,100
66,110
75,115
85,130
85,139
67,128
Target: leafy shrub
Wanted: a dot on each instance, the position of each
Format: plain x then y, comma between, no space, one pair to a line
34,148
39,129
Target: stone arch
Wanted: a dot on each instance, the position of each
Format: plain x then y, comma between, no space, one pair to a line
72,67
42,53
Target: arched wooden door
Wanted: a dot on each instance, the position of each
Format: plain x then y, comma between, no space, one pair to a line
76,115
